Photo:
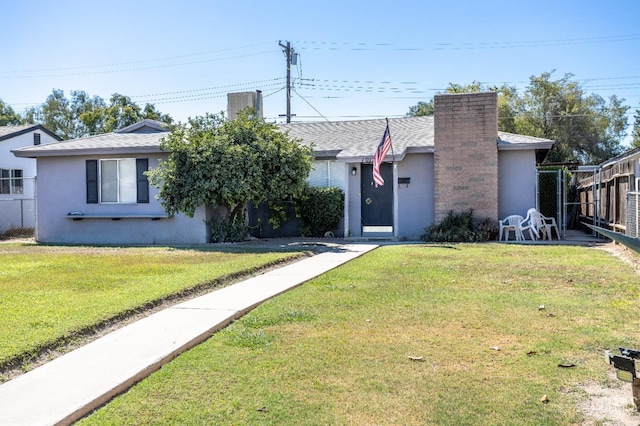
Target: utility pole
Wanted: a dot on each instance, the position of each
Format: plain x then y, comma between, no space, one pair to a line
291,56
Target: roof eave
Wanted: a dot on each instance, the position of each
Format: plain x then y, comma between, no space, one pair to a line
24,153
524,146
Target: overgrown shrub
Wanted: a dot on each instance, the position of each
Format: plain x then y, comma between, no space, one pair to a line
277,213
460,228
224,231
319,210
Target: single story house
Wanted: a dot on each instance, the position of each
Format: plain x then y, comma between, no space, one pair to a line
17,175
455,160
93,190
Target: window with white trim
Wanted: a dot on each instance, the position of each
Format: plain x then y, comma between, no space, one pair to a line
11,181
117,181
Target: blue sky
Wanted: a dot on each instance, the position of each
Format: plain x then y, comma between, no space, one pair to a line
357,59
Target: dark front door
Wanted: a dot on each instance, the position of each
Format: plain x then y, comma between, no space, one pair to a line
377,203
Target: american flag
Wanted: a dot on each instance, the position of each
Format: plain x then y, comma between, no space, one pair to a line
381,152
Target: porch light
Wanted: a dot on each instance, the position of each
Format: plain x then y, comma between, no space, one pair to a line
354,171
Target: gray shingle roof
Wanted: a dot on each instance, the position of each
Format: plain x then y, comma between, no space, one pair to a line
107,143
360,138
337,139
354,139
514,141
7,132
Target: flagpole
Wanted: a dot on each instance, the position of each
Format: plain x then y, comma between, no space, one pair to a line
393,155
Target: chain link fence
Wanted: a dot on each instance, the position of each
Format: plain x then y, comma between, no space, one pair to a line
17,207
633,214
552,194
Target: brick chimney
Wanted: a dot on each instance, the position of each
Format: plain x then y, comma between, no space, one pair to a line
466,154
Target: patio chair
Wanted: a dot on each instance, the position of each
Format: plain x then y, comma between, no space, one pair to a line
529,224
511,223
544,225
550,224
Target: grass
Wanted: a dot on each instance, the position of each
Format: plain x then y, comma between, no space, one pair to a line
336,350
48,294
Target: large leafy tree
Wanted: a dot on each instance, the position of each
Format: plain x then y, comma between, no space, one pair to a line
227,164
8,116
585,127
55,114
506,97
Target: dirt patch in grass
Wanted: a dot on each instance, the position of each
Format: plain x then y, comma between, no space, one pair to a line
612,405
627,255
609,405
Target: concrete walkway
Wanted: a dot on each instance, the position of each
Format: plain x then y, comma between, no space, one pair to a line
71,386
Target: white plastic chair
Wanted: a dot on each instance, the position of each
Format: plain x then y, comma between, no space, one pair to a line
549,225
511,223
544,225
528,224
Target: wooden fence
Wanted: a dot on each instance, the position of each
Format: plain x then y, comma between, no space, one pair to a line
602,192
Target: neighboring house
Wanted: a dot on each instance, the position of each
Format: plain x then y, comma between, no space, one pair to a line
454,161
93,190
17,174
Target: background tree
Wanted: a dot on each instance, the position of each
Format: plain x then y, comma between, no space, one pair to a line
8,116
82,115
421,109
507,97
121,112
55,114
83,105
586,128
228,164
635,134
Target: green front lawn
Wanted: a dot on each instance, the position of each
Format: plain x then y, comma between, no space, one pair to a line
336,350
50,293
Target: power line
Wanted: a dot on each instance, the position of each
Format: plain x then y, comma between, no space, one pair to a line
308,103
228,86
197,97
22,76
329,45
116,64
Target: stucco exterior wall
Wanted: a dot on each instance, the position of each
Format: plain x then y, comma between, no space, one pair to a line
517,182
61,189
416,200
353,195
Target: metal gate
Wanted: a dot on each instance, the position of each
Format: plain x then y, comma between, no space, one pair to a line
572,197
551,196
